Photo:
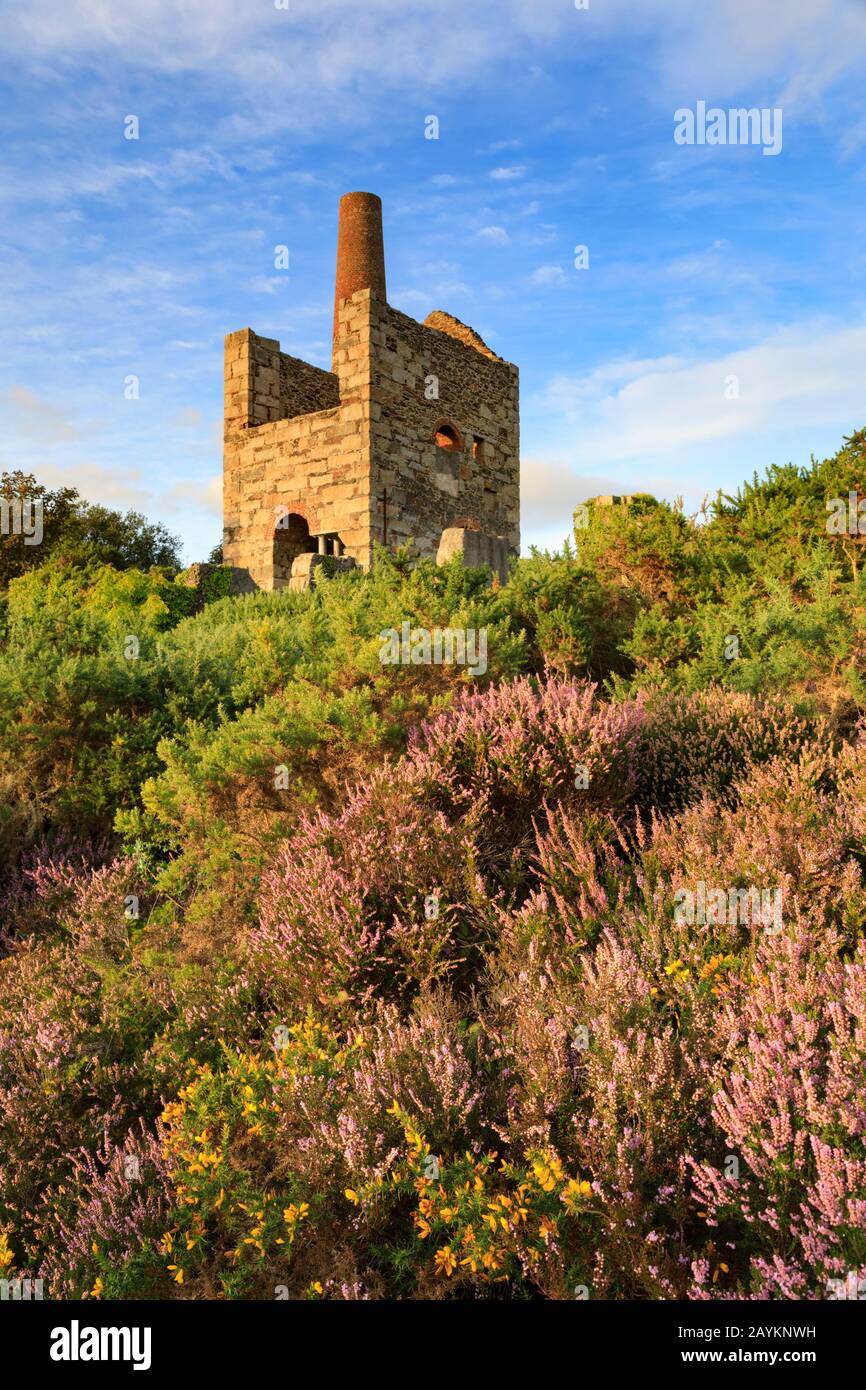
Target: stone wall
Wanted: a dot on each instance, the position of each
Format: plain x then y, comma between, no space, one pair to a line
264,384
429,488
475,549
314,465
210,582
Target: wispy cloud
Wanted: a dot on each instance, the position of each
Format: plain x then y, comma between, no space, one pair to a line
207,496
548,275
494,234
803,373
549,492
29,416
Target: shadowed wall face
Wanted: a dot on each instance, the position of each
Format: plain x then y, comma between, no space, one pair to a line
360,250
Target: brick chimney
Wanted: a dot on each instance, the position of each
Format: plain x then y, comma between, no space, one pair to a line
360,249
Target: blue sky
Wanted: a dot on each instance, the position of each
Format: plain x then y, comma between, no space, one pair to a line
556,130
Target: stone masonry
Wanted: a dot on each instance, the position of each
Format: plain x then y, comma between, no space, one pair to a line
412,434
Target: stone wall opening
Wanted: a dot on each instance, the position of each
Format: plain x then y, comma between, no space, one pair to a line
291,538
329,543
447,437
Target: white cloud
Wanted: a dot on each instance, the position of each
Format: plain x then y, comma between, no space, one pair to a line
112,487
188,417
701,265
316,60
548,275
268,284
508,172
789,53
664,425
351,57
549,492
494,234
499,146
203,496
28,416
802,375
420,302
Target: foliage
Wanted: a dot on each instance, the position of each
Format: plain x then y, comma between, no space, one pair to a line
763,595
78,532
328,978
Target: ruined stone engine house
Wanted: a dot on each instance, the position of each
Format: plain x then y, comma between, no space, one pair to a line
412,436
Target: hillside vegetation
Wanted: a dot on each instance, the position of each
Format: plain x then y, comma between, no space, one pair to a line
328,978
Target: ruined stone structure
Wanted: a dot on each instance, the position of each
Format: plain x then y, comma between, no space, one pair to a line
413,435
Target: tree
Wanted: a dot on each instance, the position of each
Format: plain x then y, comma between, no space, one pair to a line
36,523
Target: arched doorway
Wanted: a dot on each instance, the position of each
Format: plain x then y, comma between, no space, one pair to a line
291,538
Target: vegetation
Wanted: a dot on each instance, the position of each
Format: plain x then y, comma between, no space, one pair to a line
77,530
329,978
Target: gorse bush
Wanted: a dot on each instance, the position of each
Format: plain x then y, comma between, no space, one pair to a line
328,978
767,595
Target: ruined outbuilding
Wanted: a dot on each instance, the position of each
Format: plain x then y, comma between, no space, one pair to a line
412,436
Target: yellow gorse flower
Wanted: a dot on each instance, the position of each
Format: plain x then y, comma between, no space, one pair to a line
292,1214
445,1261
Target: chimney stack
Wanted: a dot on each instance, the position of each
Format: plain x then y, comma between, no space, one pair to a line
360,249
